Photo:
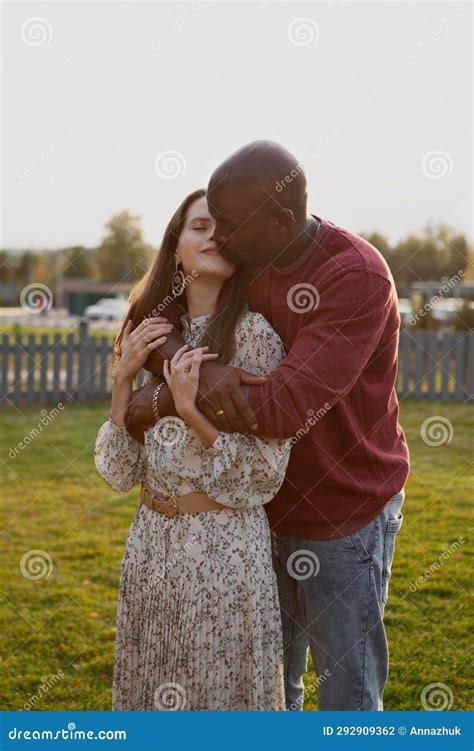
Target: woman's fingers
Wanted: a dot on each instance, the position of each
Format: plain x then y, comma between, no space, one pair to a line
127,331
196,363
177,355
157,343
149,333
148,321
166,372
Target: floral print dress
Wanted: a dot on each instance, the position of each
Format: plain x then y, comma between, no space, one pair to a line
198,622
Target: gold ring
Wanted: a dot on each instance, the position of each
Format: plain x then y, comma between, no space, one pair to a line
221,412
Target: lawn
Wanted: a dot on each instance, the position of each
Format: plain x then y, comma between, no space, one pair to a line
58,630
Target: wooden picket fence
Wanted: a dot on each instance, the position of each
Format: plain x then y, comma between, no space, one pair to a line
432,365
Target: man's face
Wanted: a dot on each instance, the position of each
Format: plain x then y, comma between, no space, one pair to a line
243,229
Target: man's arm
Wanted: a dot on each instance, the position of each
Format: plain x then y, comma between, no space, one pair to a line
139,415
324,362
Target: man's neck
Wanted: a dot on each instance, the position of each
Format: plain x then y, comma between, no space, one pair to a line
298,246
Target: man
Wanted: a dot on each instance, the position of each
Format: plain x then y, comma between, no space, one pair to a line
331,297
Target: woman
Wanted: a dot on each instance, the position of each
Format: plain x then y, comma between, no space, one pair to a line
198,623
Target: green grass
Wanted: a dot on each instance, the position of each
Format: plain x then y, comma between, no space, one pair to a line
53,500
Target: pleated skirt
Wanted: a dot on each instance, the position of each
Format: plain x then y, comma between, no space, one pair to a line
198,619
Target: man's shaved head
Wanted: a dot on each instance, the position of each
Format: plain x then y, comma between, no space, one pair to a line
258,197
269,172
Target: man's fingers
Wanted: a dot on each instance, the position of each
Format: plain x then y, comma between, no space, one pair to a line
249,379
208,409
231,419
245,410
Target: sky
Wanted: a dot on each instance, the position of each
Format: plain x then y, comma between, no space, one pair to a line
130,106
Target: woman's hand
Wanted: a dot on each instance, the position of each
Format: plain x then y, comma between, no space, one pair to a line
182,376
138,343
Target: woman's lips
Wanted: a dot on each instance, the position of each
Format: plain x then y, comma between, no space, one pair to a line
210,250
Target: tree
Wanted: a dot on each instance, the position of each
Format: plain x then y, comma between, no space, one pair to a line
123,255
76,262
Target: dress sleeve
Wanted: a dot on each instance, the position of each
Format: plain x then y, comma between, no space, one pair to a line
119,457
241,471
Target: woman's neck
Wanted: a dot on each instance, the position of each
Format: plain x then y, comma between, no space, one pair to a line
201,296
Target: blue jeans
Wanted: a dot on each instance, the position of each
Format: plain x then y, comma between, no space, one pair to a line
332,597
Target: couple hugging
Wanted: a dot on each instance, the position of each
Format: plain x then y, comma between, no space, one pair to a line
268,451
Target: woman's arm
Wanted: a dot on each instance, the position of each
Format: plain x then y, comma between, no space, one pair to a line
121,393
205,429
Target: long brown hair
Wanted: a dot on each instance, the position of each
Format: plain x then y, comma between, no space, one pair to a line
154,291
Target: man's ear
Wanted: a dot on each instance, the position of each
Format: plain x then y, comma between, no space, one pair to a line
285,219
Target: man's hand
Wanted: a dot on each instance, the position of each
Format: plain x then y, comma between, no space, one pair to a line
220,392
139,415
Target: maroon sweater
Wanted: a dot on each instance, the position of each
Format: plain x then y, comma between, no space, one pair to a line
335,308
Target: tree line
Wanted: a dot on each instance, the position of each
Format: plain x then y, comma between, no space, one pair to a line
433,253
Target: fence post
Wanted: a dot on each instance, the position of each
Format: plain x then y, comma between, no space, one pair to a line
83,369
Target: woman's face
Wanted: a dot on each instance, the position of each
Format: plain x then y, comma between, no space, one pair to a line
197,250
